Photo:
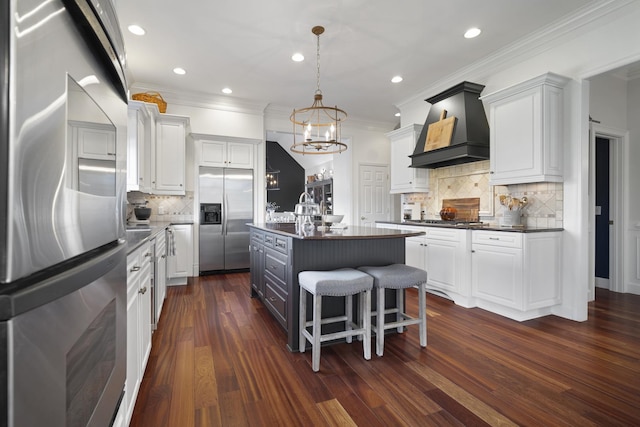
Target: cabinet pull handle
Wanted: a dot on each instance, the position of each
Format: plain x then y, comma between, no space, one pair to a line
473,252
491,172
494,238
111,154
147,254
135,268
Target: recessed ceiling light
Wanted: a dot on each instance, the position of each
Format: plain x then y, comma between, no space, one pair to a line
179,71
227,90
137,30
396,79
297,57
397,114
472,32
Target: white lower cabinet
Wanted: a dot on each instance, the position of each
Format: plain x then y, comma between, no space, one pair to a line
180,253
516,275
444,254
138,322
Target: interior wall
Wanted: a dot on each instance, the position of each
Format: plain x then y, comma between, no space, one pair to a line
291,178
632,233
608,100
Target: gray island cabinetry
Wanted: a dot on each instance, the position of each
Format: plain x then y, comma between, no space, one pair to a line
279,253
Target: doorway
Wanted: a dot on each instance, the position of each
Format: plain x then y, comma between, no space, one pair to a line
607,203
602,221
374,198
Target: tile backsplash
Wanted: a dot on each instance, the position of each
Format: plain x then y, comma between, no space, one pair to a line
163,208
544,207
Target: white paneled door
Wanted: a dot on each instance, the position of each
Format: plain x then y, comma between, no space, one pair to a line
373,194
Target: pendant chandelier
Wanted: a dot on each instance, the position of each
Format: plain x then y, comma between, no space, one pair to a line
319,126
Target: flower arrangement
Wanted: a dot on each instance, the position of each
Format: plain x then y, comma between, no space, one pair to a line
272,206
513,203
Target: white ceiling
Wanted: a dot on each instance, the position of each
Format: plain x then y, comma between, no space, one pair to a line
247,46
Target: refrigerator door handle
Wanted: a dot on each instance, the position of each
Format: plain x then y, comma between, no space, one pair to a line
225,212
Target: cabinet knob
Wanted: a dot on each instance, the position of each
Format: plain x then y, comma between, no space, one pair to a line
143,290
140,178
472,251
491,172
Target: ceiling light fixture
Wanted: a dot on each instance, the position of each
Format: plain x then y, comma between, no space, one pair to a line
472,32
320,125
137,30
227,91
179,71
396,79
297,57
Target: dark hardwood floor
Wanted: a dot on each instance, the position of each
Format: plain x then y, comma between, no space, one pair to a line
219,358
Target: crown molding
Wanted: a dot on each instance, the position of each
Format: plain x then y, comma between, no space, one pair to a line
531,45
199,100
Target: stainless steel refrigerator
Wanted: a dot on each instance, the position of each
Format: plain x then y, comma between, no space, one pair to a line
226,206
62,235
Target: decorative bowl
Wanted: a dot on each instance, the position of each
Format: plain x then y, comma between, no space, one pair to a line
332,219
142,213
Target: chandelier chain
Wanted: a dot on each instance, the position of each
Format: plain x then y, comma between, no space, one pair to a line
318,65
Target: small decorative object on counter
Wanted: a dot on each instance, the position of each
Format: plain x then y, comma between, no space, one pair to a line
513,212
271,208
448,214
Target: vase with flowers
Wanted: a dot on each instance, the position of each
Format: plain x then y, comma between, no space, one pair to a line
271,208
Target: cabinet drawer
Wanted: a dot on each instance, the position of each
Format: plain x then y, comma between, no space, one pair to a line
276,301
498,238
281,244
257,237
276,264
439,233
269,240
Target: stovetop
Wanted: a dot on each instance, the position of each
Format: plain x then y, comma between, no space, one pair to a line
453,223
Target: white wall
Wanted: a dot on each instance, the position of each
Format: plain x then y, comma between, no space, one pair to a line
632,232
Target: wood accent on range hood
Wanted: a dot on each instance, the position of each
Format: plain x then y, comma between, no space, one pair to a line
470,139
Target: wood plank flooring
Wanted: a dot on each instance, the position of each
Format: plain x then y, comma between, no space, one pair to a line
219,359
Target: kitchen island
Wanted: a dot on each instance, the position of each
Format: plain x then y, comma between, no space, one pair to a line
279,253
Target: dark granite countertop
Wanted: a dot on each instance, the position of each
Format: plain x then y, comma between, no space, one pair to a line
485,226
350,233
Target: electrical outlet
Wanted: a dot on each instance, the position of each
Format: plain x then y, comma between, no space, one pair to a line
161,210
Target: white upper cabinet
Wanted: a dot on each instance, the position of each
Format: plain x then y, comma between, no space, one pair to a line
140,146
526,130
95,141
225,154
170,155
405,179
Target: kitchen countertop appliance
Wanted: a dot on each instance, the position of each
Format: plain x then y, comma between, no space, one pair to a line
62,231
226,206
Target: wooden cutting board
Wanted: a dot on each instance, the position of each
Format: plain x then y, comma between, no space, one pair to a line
439,133
467,209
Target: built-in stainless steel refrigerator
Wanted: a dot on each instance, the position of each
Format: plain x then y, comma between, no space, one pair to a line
226,206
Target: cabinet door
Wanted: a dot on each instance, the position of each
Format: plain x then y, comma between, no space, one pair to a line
144,302
161,270
240,155
404,178
170,158
516,137
496,273
442,264
96,142
133,335
415,252
213,153
135,150
179,265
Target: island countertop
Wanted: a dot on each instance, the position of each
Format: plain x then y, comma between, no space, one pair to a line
352,232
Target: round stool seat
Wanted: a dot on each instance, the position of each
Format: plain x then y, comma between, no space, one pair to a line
340,282
396,276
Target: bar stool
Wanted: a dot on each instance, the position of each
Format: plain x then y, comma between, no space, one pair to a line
344,282
398,277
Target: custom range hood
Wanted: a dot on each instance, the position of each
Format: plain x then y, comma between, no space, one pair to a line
456,130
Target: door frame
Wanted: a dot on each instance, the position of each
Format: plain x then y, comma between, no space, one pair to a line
619,148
